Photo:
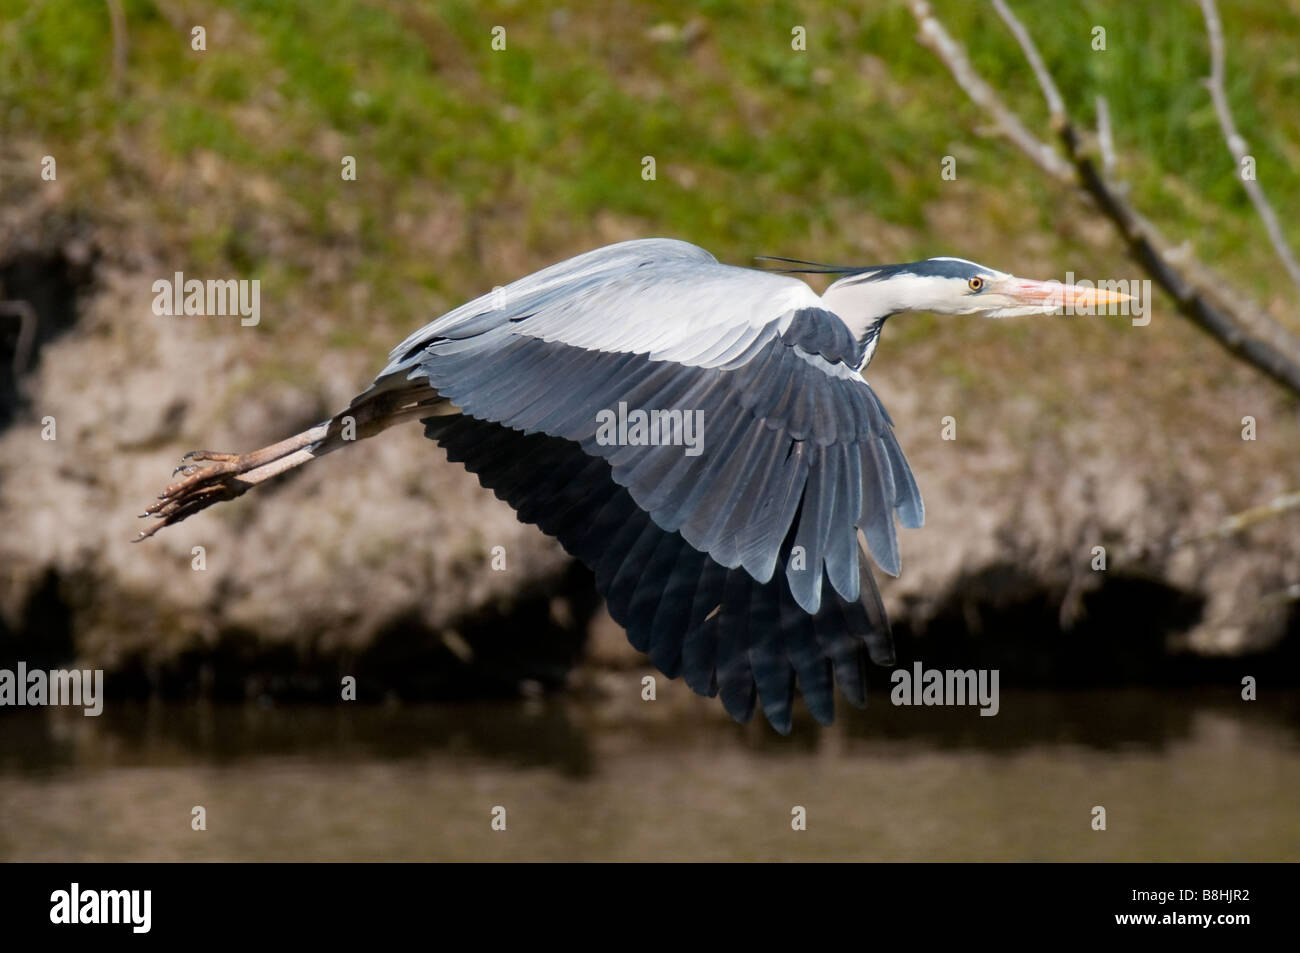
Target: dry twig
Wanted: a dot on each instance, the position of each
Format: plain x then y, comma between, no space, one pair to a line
1237,145
1244,331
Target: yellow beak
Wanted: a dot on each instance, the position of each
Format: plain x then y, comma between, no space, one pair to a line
1058,295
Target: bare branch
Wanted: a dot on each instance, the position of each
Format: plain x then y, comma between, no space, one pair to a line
1055,104
1244,331
1282,596
936,38
1244,520
1105,141
117,24
1237,145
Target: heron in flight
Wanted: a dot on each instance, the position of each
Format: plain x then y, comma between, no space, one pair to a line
739,561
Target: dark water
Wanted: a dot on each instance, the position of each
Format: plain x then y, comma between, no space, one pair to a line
1182,775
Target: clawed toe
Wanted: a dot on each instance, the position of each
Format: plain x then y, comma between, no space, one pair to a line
230,460
207,477
201,487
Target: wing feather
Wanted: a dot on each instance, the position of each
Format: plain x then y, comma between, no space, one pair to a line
796,451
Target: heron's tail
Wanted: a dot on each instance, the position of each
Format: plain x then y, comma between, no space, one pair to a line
208,477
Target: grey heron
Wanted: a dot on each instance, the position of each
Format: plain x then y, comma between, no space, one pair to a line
741,566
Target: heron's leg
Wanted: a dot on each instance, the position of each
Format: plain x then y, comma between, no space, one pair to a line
228,463
239,462
225,476
211,477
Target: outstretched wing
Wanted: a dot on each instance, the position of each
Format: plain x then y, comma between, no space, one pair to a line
721,630
796,455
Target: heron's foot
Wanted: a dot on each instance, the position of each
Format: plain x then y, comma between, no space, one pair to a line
202,486
208,477
209,455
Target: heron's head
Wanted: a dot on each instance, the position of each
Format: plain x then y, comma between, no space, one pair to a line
953,286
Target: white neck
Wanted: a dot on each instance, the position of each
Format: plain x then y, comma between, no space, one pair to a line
863,306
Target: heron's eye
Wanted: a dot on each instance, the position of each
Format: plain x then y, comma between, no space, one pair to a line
976,283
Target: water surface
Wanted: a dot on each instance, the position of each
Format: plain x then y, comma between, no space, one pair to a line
1183,776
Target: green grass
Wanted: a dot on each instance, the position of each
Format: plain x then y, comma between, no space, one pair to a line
759,149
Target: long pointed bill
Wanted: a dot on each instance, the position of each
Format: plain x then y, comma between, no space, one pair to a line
1054,294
